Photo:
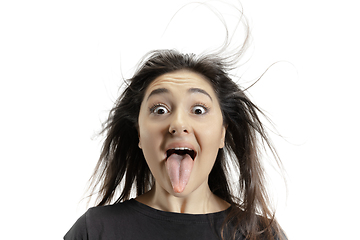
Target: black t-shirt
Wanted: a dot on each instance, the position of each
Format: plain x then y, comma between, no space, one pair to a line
132,220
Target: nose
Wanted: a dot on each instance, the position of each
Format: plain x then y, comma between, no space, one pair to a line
180,123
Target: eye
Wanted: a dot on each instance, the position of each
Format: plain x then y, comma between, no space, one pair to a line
199,109
159,109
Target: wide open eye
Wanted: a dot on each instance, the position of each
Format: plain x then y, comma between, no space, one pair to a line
159,109
199,109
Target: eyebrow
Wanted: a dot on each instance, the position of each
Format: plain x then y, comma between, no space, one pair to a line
191,90
158,91
199,90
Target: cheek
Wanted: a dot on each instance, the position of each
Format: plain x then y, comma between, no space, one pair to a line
210,141
150,129
210,135
147,139
150,140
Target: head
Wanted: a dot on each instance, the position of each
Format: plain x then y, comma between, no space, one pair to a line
180,115
238,127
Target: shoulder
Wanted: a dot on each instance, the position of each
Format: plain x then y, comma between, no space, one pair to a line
95,219
78,231
111,211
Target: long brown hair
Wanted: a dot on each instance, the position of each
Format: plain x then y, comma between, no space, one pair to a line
122,166
237,175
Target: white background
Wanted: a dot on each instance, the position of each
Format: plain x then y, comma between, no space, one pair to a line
61,63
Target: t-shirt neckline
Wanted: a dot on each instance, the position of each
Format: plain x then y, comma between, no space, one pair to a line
177,217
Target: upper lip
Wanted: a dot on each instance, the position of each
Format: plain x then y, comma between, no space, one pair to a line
183,147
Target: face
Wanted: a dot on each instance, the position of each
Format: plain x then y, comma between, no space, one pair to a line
180,111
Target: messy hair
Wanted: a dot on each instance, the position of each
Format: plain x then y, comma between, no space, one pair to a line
237,175
122,166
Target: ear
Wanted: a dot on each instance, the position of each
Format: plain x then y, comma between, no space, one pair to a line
223,133
137,129
139,144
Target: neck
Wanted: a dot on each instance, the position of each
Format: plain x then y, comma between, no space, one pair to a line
200,201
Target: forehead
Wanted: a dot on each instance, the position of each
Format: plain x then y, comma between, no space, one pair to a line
180,79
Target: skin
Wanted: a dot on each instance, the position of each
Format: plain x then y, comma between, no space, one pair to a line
184,112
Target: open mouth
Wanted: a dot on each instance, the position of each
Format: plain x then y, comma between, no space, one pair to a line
181,151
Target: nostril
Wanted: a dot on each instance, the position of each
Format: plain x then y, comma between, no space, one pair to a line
178,130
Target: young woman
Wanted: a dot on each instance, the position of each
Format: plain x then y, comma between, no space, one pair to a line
174,135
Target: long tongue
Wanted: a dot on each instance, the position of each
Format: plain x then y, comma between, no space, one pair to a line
179,169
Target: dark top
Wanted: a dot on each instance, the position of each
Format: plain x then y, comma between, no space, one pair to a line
133,220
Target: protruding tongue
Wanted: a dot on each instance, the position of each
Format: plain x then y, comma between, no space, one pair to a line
179,169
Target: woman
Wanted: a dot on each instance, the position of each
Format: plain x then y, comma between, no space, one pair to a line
173,136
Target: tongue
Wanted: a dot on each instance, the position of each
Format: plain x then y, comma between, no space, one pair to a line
179,169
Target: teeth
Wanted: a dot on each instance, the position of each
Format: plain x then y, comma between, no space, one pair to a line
182,148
